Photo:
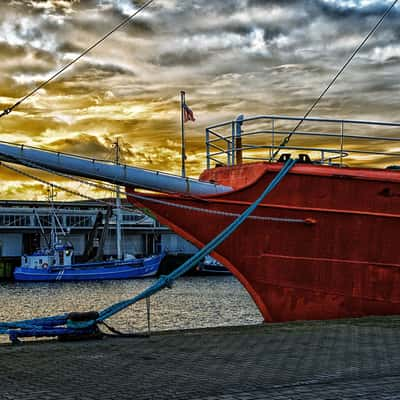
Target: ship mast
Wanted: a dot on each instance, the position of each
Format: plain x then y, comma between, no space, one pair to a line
53,232
118,204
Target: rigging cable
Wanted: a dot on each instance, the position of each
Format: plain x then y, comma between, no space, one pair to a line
67,190
90,48
288,137
132,195
67,325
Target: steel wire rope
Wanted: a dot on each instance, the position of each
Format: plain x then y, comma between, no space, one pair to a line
137,196
166,281
8,110
63,324
373,30
71,191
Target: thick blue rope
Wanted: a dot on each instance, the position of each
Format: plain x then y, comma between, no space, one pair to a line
61,325
165,281
30,323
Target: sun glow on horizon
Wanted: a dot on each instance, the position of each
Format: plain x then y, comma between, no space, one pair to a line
238,58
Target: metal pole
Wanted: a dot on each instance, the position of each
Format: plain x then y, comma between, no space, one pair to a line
118,206
208,149
183,152
273,140
233,143
53,233
148,315
341,144
238,139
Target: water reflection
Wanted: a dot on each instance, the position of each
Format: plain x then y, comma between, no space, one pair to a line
193,302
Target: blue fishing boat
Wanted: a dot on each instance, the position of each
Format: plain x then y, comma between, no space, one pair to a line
56,265
56,262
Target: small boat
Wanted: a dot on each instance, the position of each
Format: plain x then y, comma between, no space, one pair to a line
322,245
56,265
210,266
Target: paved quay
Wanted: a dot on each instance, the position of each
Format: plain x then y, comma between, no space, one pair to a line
347,359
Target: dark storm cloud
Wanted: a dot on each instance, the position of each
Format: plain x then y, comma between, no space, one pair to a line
88,71
231,56
340,9
263,3
187,57
87,144
140,28
8,51
68,47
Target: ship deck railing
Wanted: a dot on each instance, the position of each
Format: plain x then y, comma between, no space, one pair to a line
340,142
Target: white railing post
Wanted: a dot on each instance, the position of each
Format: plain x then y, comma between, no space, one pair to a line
341,143
238,139
272,140
232,144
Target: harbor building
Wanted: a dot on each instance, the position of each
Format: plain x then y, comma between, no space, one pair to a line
26,226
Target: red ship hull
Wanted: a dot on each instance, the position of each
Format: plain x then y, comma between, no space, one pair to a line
323,244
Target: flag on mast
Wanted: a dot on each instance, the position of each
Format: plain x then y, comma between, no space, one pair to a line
187,113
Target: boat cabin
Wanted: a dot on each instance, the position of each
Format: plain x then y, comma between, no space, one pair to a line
60,255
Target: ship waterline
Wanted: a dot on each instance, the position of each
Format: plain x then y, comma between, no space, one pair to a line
318,247
321,245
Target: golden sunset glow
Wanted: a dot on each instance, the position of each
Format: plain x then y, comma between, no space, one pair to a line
231,57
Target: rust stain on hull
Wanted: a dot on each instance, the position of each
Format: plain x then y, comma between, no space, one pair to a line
343,260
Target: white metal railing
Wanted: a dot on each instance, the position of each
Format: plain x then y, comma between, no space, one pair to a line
327,141
34,218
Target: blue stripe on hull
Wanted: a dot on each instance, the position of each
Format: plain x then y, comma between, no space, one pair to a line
86,272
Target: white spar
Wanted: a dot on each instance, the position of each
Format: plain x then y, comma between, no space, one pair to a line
119,174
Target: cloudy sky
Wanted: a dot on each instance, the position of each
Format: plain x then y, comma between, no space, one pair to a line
230,56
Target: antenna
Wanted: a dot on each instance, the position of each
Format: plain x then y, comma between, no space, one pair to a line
118,202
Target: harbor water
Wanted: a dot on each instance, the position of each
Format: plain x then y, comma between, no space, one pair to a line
192,302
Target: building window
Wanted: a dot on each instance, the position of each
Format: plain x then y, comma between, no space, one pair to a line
45,220
78,220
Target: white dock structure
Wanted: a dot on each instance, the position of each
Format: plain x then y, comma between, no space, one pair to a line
24,226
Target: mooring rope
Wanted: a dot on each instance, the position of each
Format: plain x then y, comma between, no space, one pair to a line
64,324
166,281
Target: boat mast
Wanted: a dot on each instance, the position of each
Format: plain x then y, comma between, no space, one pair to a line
118,204
53,234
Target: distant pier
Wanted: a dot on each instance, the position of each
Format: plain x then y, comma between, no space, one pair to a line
342,359
25,226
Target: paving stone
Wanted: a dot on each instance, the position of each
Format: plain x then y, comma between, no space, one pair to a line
351,359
